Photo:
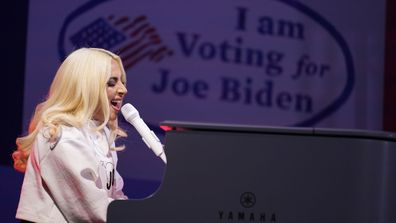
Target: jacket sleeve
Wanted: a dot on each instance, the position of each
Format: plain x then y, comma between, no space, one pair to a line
69,171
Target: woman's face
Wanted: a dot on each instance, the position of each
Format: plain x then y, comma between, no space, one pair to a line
116,90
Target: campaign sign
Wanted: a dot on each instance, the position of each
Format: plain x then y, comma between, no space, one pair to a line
261,63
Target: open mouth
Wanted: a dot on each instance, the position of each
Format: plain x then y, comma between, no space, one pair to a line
116,105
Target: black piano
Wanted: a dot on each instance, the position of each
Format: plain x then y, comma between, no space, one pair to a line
236,173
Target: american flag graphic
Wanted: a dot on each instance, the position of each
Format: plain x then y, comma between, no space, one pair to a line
132,39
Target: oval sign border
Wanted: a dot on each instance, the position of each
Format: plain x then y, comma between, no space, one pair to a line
340,100
328,110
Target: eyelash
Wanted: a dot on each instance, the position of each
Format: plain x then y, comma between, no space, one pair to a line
112,83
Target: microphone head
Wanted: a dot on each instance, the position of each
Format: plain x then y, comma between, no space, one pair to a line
129,112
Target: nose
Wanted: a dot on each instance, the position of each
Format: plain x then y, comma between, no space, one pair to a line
121,90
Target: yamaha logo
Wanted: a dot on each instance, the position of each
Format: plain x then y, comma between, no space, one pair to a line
248,213
248,200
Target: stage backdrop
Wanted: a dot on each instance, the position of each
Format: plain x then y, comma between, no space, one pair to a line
257,62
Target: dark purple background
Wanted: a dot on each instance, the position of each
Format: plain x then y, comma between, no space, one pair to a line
14,16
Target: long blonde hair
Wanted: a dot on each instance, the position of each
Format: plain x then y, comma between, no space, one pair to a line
77,93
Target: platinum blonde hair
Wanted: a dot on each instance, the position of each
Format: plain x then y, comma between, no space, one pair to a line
77,93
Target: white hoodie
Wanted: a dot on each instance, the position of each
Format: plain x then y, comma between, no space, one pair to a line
72,180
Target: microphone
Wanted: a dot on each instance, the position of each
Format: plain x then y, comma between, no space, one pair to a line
149,138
